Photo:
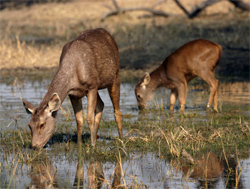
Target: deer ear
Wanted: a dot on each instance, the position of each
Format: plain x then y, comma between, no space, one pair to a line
54,103
146,79
30,108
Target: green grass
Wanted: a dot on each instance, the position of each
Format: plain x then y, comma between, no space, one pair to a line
192,132
224,134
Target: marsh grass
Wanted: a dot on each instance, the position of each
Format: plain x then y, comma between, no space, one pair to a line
66,113
225,134
195,133
33,45
18,54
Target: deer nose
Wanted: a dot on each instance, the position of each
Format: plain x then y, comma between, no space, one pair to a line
33,147
141,107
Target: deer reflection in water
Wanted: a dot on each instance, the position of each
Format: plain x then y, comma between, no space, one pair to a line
96,176
43,175
207,170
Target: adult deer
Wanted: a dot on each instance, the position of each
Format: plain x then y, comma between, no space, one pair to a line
87,64
196,58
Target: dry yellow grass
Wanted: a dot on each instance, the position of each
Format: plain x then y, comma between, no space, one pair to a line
62,22
25,56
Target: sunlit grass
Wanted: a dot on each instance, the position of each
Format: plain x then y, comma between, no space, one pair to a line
176,138
17,54
143,43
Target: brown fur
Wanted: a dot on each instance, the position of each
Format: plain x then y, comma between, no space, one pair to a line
206,169
196,58
87,64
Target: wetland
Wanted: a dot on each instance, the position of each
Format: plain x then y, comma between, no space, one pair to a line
200,149
152,154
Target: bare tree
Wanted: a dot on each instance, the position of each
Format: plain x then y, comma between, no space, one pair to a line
190,14
196,10
117,9
240,4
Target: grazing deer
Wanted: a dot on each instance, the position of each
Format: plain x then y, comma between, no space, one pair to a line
196,58
88,63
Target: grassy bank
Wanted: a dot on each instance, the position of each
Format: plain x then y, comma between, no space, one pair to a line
184,141
228,132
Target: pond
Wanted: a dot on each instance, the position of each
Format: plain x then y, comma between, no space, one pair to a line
144,170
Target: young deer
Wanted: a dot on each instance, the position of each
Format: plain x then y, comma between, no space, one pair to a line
87,64
196,58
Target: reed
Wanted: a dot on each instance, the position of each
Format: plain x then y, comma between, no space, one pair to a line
175,139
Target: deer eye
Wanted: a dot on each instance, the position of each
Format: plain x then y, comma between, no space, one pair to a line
139,96
42,125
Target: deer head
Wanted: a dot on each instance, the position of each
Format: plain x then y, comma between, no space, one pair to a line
43,119
143,92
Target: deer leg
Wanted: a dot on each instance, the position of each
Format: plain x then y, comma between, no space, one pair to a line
114,93
77,107
182,95
92,101
216,96
214,89
79,181
117,175
98,114
95,175
173,97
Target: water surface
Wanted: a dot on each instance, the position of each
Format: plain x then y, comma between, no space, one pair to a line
146,169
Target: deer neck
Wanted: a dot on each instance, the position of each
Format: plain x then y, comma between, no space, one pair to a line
59,85
157,78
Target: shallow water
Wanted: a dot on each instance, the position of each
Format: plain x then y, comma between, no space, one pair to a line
145,169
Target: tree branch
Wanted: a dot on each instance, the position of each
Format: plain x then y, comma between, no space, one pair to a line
240,4
195,11
182,7
118,10
158,3
203,5
190,14
107,6
116,5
